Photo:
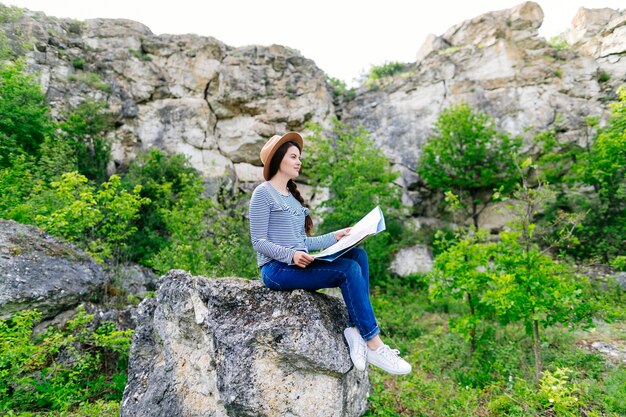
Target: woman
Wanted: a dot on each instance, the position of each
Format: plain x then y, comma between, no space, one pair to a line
279,229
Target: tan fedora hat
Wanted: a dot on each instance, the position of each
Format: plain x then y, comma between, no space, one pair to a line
272,145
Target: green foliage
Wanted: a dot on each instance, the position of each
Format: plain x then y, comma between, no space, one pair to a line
140,55
91,79
359,177
63,367
25,120
162,178
603,76
559,43
340,89
388,69
78,63
208,236
558,394
461,272
85,128
603,233
98,219
497,380
467,155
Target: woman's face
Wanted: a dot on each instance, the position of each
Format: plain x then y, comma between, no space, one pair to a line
290,165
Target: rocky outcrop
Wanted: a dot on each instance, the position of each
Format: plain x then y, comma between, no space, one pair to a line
416,259
231,347
498,64
601,34
38,271
180,93
218,104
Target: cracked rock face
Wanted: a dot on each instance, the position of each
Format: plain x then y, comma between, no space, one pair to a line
498,64
38,271
179,93
218,104
231,347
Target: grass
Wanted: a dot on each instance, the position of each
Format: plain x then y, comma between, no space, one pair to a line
498,379
91,79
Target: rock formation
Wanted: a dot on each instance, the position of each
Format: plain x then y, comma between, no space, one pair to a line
180,93
218,104
38,271
231,347
498,64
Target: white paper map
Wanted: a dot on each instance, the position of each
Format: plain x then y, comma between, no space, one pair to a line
371,224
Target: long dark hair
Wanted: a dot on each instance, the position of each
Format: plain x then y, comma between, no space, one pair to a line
291,185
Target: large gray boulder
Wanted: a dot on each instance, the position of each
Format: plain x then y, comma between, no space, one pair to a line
231,347
39,271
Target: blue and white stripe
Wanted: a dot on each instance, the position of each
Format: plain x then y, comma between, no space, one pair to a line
277,226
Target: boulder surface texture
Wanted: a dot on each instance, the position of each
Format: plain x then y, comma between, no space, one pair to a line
232,347
39,271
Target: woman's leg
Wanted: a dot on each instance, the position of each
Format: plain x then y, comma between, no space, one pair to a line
344,273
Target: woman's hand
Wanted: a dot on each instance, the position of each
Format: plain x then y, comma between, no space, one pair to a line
302,259
342,233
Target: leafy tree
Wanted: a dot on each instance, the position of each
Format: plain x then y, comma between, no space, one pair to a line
358,177
85,129
467,155
162,177
461,272
25,120
99,219
603,232
527,285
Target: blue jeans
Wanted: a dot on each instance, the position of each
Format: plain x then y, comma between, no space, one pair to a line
350,272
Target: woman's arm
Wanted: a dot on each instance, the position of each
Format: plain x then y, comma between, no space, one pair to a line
259,229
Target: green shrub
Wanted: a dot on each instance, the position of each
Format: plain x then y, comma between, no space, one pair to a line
603,76
162,178
78,63
91,79
140,55
359,177
98,219
387,69
25,121
62,368
559,43
85,129
340,89
467,155
208,236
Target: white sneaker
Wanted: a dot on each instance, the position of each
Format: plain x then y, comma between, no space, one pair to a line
389,360
358,348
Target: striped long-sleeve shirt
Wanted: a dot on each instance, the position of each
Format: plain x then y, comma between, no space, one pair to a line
277,226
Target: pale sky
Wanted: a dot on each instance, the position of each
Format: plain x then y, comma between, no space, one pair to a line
344,37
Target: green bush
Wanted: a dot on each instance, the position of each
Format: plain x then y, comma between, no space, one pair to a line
387,69
85,128
340,88
359,177
467,155
162,178
559,43
91,79
98,219
208,236
25,121
62,368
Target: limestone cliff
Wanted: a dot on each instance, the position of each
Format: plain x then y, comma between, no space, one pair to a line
180,93
218,104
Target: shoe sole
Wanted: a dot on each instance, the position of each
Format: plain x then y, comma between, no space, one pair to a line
391,371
